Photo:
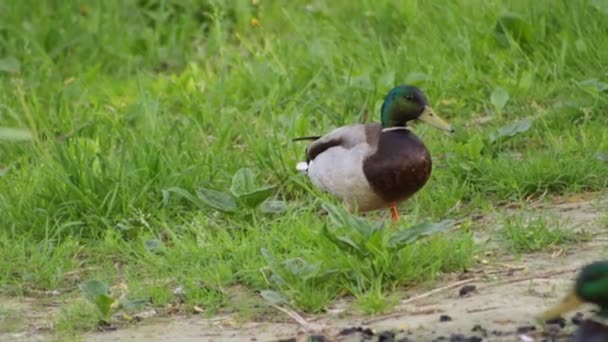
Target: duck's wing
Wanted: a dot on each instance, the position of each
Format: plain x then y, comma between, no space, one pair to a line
311,137
346,137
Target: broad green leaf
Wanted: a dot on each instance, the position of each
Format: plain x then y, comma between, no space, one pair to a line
600,5
324,276
181,193
133,306
513,26
344,243
277,280
301,268
268,256
512,129
103,302
217,200
379,226
408,236
363,81
273,297
94,288
337,215
415,77
153,245
273,207
317,49
348,245
342,218
376,242
387,79
10,64
243,182
526,80
402,238
440,226
15,134
165,200
256,197
595,84
345,240
499,98
98,293
244,189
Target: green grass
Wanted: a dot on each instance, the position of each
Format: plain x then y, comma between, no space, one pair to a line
73,318
128,99
525,234
9,319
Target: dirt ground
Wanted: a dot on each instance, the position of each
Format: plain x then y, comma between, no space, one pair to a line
509,292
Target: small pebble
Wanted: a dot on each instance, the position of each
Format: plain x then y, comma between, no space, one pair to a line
466,290
367,332
525,329
578,318
526,338
386,336
445,318
560,321
478,328
105,326
349,331
462,338
404,339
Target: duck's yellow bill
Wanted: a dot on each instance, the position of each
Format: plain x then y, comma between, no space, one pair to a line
430,117
571,302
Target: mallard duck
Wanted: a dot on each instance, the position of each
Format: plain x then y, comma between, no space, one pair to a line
377,165
591,287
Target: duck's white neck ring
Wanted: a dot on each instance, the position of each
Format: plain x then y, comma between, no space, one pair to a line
396,128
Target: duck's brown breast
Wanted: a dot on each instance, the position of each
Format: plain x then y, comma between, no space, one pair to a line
400,167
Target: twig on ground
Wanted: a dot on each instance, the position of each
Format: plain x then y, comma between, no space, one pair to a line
437,290
308,327
483,309
86,269
530,277
510,267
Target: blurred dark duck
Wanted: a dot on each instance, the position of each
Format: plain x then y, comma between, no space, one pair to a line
591,287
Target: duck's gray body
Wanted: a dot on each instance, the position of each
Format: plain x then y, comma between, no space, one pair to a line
368,167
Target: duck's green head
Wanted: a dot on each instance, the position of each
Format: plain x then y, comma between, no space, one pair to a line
591,287
406,103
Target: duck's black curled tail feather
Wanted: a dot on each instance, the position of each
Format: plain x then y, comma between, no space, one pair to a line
312,137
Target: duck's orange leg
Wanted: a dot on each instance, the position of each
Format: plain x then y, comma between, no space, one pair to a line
394,212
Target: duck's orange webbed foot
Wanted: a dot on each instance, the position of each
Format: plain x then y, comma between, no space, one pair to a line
394,212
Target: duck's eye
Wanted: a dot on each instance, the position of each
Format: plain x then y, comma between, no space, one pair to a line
409,97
